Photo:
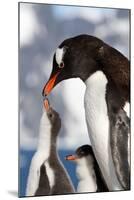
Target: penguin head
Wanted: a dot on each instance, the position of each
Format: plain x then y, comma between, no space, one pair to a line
84,151
53,117
74,58
81,153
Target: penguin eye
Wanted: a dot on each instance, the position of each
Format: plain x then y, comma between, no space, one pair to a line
61,65
50,115
82,153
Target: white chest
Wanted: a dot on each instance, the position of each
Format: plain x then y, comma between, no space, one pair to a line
98,126
86,185
86,177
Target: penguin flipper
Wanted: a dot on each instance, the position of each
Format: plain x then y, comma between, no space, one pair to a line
120,134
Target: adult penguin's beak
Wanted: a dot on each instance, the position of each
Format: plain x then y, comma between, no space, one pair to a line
50,84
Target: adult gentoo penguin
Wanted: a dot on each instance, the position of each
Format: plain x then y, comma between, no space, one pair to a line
106,73
87,170
47,175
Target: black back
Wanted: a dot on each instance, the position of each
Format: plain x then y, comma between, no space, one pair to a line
120,132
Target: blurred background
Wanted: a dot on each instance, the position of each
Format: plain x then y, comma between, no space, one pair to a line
42,28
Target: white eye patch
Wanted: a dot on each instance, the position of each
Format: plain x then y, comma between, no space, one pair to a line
59,55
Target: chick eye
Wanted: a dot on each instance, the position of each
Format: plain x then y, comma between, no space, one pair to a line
61,65
50,115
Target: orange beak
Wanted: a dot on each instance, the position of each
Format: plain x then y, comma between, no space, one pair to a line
50,84
71,157
46,104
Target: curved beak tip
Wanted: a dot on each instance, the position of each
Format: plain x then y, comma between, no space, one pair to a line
44,93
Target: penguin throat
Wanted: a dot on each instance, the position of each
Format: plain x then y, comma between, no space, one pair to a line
44,142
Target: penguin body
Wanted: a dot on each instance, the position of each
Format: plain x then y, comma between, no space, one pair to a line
47,175
106,73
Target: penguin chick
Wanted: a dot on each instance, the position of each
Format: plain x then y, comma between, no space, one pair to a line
47,176
87,170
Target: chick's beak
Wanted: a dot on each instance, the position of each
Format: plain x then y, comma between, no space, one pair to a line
46,104
71,157
50,84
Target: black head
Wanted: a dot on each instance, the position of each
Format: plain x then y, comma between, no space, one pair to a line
81,152
74,58
84,150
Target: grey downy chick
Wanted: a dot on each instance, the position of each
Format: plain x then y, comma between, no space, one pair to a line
47,176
